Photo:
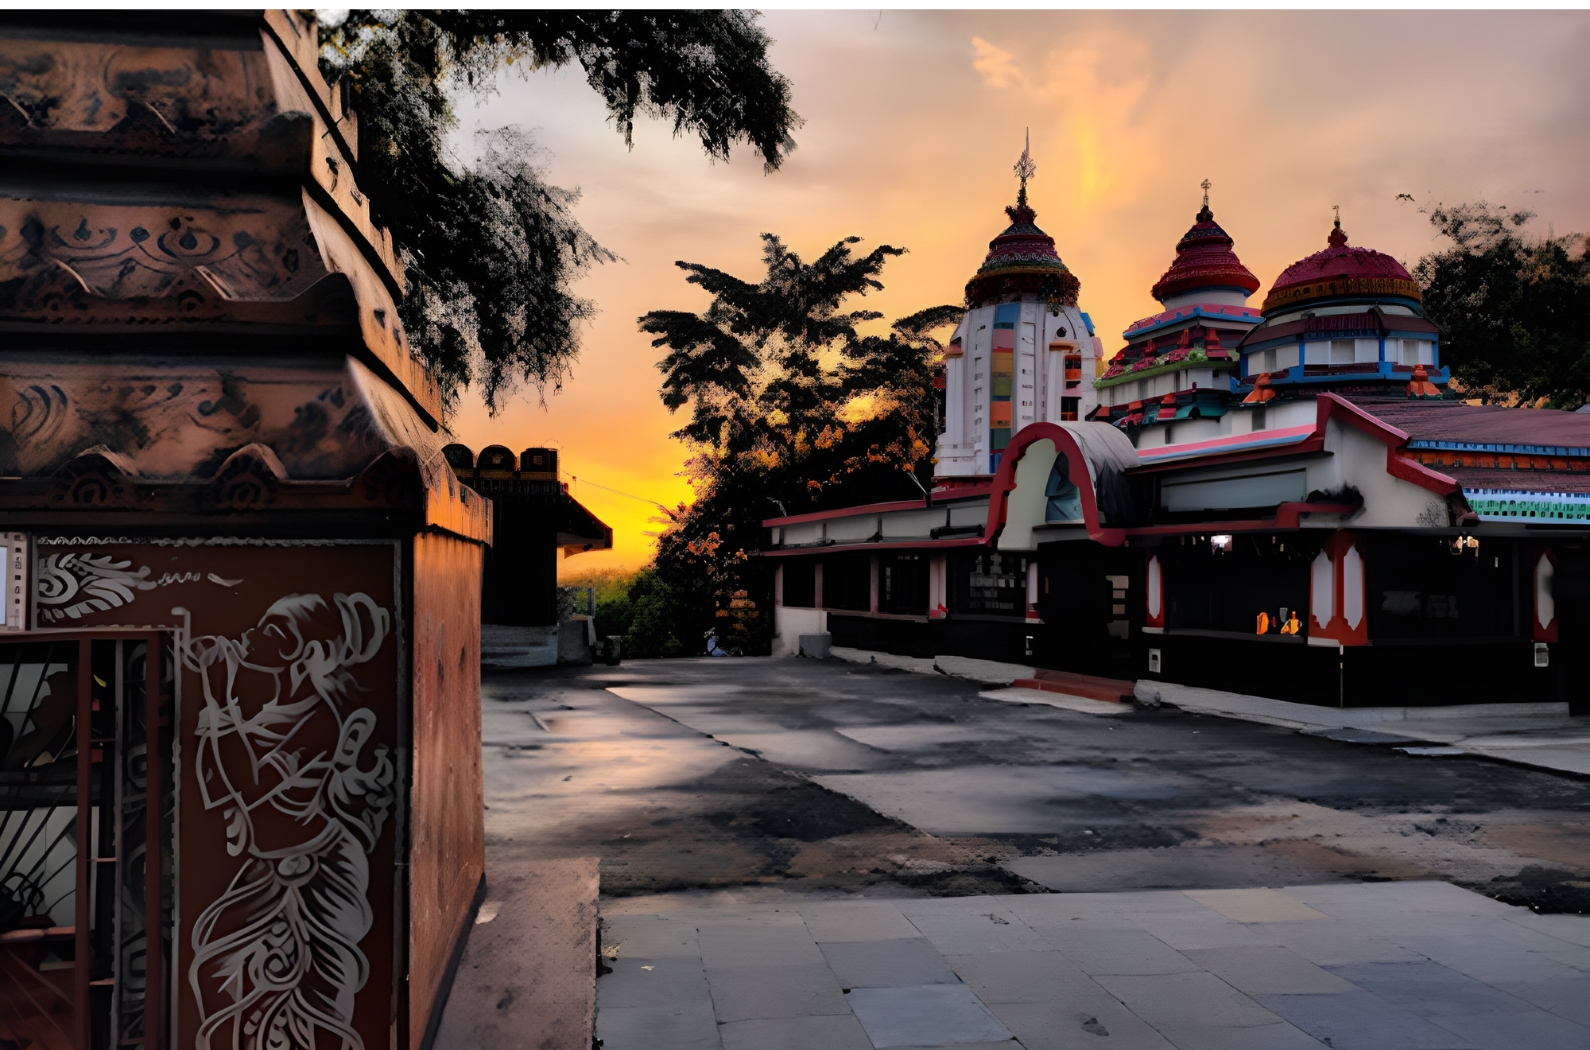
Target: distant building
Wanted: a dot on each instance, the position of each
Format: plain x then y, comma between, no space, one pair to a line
533,518
1283,502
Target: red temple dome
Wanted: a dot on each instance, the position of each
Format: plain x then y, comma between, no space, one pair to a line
1204,259
1341,271
1022,259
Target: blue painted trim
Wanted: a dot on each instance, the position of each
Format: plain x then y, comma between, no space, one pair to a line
1132,334
1575,451
1516,505
1088,321
1383,372
1007,312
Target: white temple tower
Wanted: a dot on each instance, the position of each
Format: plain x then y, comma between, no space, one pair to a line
1023,352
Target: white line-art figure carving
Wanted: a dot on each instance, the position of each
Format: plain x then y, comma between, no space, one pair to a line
276,960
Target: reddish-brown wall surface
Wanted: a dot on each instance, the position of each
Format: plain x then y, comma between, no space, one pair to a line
288,724
446,821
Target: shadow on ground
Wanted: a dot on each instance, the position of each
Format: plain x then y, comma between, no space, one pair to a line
823,778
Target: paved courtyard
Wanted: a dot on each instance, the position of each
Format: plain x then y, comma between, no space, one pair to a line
1387,966
816,854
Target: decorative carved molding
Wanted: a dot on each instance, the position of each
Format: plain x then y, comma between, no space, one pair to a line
247,248
248,479
93,478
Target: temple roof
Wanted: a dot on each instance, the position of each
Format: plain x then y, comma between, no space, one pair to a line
1340,271
1022,259
1487,425
1204,259
1237,315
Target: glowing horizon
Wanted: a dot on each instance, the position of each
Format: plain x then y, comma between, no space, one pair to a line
911,131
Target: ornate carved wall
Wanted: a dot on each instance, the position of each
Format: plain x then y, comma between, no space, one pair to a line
290,733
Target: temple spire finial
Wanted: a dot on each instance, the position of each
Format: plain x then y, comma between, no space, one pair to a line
1204,214
1206,184
1025,169
1338,237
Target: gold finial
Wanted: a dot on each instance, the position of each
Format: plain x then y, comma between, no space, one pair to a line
1206,184
1025,169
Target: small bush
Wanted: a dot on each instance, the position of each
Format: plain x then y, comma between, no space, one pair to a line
643,610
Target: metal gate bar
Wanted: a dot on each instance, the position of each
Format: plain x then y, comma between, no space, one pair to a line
85,840
154,853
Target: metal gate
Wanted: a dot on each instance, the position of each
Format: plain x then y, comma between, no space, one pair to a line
86,866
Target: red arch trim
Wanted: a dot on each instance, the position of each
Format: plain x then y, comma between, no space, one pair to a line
1065,445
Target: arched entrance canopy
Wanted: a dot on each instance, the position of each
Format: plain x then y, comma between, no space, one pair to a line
1096,458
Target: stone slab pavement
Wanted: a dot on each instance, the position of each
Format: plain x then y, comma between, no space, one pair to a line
1368,966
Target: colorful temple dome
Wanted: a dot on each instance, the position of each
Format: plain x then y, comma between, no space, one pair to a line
1341,272
1022,260
1204,259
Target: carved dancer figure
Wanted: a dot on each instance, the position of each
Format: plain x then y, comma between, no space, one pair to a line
281,751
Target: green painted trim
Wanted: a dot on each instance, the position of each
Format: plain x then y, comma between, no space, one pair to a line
1159,370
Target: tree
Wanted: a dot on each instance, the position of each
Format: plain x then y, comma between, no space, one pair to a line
1514,312
791,408
491,249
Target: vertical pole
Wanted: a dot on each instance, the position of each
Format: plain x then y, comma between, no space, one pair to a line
154,867
85,841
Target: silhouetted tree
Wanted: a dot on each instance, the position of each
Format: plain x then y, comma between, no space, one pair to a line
490,249
791,409
1514,311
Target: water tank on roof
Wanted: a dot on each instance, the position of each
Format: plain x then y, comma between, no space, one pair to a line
459,457
495,457
539,461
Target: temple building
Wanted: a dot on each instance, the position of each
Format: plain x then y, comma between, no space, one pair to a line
1181,362
1285,502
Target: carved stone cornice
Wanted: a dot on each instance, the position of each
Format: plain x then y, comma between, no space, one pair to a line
202,162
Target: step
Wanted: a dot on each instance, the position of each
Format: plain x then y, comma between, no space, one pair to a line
527,978
1093,687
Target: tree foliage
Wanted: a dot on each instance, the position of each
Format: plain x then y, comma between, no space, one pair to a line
490,248
1514,311
642,613
791,407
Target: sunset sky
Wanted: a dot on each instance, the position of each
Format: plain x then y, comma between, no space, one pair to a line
913,120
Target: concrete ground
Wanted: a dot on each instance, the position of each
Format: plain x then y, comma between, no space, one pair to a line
1543,736
724,792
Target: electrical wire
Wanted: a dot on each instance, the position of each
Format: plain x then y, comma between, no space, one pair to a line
627,495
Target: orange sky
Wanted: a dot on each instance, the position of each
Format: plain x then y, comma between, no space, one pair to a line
914,119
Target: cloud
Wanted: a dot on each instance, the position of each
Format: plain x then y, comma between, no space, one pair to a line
997,67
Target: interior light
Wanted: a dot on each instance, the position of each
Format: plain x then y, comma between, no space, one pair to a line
1220,543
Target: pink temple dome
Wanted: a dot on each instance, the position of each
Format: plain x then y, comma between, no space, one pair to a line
1341,270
